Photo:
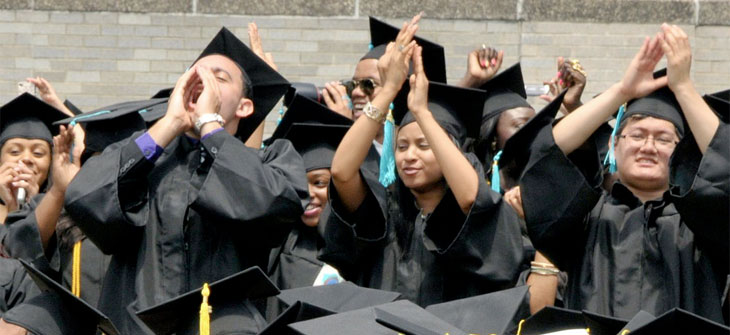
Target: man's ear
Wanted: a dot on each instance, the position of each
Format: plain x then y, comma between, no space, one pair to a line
245,108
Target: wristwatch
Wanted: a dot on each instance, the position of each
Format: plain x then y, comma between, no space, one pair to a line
373,113
207,118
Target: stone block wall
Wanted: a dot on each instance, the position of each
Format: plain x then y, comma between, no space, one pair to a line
101,52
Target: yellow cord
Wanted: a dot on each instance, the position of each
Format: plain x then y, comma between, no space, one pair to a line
625,331
76,270
519,327
205,311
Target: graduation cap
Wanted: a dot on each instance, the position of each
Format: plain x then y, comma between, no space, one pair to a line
493,313
113,123
70,314
660,104
551,319
316,143
305,110
516,150
602,324
505,91
163,93
267,85
719,105
678,321
340,297
299,311
75,110
401,316
28,117
181,313
454,108
639,320
434,61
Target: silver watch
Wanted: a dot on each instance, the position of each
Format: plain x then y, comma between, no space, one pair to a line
374,113
207,118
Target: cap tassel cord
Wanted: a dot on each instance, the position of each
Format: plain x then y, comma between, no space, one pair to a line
387,158
205,311
611,157
76,270
496,183
519,327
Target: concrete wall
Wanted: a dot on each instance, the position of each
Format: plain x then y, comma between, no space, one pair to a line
102,52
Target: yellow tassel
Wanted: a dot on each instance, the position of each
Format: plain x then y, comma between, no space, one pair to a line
625,331
205,311
76,270
519,327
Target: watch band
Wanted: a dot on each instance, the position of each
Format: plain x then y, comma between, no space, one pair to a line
374,113
208,118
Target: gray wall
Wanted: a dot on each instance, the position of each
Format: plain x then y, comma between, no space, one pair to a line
104,51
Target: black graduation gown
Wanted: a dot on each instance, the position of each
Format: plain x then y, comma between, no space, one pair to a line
623,256
23,241
204,210
386,244
295,264
15,285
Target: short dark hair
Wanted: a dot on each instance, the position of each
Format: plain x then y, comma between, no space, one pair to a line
635,118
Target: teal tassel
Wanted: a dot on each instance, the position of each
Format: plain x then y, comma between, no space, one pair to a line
370,46
496,183
611,156
387,158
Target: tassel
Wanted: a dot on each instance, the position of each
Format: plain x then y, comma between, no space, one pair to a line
205,311
496,183
370,46
611,157
519,327
76,270
387,158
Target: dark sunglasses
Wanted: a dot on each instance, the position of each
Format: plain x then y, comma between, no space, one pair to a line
366,85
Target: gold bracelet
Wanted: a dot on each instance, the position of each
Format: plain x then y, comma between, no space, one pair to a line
544,271
545,265
374,113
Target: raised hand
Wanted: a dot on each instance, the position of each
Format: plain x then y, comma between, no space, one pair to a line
48,94
7,191
254,40
393,65
514,198
418,95
573,77
481,65
638,79
336,98
675,44
64,169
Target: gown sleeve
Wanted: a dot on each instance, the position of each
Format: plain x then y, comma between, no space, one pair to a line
558,193
22,238
700,190
486,241
15,285
108,198
263,192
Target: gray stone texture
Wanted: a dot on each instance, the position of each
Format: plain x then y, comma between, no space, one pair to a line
641,11
714,12
278,7
164,6
462,9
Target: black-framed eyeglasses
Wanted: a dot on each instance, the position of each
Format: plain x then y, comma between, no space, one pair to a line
659,142
367,85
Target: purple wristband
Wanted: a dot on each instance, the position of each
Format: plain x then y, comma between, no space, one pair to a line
149,147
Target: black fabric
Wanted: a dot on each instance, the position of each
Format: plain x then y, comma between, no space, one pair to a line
15,285
678,321
387,245
305,110
299,311
342,297
603,325
267,85
551,319
182,221
659,104
623,256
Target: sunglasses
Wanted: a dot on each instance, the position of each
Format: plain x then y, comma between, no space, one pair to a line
366,85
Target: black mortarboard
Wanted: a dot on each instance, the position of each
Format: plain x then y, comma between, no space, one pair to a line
75,110
505,91
493,313
163,93
724,95
299,311
719,105
182,313
401,316
305,110
28,117
267,85
340,297
516,150
678,321
551,319
316,143
70,314
111,124
639,320
456,109
434,61
602,324
659,104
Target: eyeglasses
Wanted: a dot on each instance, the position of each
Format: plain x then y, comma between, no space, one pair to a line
366,85
662,143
